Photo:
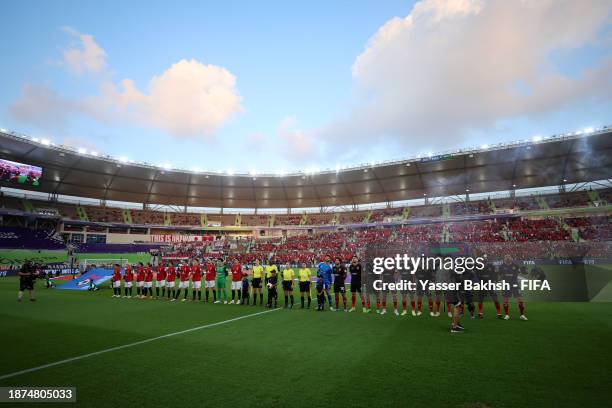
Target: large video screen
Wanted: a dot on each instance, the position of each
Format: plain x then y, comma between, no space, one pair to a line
19,173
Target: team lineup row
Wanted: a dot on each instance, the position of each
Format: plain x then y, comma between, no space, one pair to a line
328,275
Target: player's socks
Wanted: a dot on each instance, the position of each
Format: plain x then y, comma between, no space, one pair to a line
193,294
329,300
286,300
394,304
309,300
157,291
430,305
437,306
214,292
404,304
521,306
185,297
292,300
163,292
506,308
199,295
233,294
498,308
353,299
302,301
412,305
239,294
377,303
419,305
480,305
337,299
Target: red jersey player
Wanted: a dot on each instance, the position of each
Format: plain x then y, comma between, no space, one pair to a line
196,279
117,281
140,277
184,271
211,275
128,277
236,280
148,280
160,279
170,278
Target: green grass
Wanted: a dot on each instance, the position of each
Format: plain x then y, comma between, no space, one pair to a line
293,358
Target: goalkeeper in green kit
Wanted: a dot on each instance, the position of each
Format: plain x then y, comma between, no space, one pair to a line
221,274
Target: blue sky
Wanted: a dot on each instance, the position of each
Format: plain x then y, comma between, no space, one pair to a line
302,84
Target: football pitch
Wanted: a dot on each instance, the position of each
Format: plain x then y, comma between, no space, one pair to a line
157,353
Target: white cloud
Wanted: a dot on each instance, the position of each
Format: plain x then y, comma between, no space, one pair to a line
294,141
85,55
189,99
450,66
43,107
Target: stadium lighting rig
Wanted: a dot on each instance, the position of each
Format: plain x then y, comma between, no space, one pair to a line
429,156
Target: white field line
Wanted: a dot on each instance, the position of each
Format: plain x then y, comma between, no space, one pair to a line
124,346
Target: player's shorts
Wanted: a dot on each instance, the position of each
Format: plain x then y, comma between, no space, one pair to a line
220,284
236,285
160,283
209,284
513,292
148,284
256,283
183,284
305,286
140,284
356,287
170,284
326,285
128,284
339,288
26,284
287,285
116,284
196,285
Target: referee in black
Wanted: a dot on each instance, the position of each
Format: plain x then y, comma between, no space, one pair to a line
27,276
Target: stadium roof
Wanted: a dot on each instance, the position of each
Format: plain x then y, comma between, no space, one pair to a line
564,159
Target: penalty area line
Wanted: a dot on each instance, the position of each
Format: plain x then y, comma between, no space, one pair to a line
124,346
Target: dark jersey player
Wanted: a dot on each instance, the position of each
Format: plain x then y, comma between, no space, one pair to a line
508,272
486,275
355,270
27,275
339,272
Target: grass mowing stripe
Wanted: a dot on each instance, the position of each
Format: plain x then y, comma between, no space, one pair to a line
95,353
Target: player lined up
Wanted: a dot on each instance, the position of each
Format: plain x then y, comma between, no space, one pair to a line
327,274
